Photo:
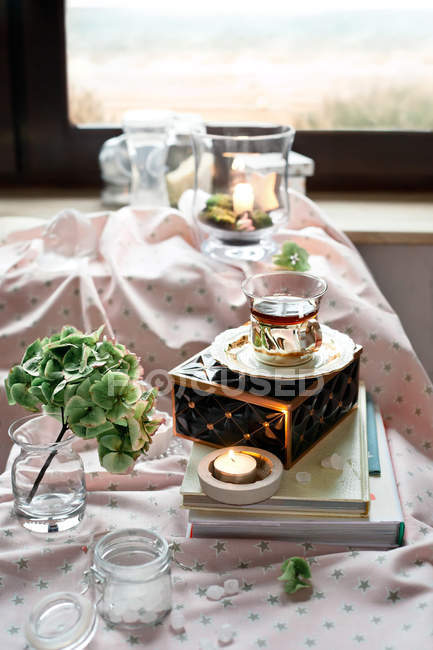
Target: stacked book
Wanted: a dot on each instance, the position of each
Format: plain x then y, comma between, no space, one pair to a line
356,506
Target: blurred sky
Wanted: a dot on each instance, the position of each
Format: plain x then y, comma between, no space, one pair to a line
270,7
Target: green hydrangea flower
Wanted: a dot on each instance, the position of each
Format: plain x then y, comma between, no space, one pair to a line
92,386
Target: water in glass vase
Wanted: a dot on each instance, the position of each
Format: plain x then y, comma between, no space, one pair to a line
48,479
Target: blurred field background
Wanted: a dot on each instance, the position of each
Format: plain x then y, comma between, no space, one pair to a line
336,69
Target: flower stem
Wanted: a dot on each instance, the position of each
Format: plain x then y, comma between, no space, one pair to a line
47,463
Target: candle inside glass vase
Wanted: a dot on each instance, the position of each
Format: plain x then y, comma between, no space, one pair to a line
235,467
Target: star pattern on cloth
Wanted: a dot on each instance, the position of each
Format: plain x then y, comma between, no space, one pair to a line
364,585
227,602
252,616
329,625
280,626
318,595
247,586
205,620
41,584
219,547
273,599
393,596
348,608
22,563
133,640
18,600
301,611
263,546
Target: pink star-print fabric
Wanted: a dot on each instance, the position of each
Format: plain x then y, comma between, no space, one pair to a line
141,273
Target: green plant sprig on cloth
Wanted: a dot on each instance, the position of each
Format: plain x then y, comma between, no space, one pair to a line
92,387
292,257
296,572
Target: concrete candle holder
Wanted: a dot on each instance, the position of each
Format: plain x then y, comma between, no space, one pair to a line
269,470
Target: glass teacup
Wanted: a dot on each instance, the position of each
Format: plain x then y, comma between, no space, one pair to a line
284,307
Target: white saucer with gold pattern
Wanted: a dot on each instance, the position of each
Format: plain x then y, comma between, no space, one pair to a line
233,349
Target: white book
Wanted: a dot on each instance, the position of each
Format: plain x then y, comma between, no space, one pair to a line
384,527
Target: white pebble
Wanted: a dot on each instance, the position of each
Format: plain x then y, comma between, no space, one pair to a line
303,477
129,616
147,617
177,622
337,462
225,634
231,587
333,462
215,592
113,616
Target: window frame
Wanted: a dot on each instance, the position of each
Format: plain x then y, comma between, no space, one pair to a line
51,150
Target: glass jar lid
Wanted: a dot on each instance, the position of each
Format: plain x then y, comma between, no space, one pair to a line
61,621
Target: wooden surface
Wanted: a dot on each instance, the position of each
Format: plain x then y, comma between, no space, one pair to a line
367,218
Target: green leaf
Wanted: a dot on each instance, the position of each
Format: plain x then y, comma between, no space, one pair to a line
60,386
53,370
75,409
32,366
135,434
132,394
83,389
107,427
117,463
16,375
34,350
98,393
72,359
70,390
111,441
118,412
67,330
20,395
292,257
82,432
94,417
47,390
295,573
151,426
37,392
131,365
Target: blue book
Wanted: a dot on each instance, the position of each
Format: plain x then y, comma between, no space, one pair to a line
373,448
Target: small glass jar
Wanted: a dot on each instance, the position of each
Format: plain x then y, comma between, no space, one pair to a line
131,572
48,480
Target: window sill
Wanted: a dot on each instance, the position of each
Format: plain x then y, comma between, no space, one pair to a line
367,218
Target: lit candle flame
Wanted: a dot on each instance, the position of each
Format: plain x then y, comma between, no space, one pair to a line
231,455
243,198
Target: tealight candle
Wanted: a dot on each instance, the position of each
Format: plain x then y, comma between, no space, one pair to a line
235,467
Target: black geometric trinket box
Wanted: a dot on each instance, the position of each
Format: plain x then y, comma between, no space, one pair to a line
219,407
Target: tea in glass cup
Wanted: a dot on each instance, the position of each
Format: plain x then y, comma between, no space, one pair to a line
284,306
